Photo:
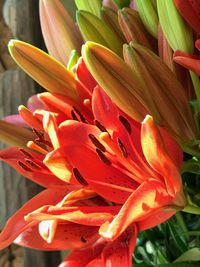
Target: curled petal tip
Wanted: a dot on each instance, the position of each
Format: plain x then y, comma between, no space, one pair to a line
148,119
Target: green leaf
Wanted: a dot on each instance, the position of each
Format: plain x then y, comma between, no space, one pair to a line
192,254
175,235
192,166
161,259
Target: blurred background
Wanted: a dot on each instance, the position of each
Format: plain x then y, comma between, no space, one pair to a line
19,19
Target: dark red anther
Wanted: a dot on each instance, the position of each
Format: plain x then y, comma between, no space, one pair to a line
83,239
33,164
25,153
44,142
100,126
122,148
82,118
125,123
24,166
96,142
73,114
103,157
79,177
40,135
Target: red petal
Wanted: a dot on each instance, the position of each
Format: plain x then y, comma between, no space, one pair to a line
59,166
154,220
69,133
119,252
50,127
84,75
67,236
91,216
57,103
106,112
40,176
83,257
16,224
188,61
158,156
94,170
150,196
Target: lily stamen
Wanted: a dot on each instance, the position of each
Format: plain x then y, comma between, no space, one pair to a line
125,123
103,157
82,118
33,164
122,147
125,162
96,142
100,126
36,147
79,177
73,114
25,153
24,166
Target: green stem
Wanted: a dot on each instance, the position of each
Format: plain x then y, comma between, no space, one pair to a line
192,209
196,84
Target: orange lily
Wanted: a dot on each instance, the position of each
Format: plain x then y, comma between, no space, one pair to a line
114,154
148,192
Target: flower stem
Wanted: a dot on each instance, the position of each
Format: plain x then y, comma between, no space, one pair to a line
196,84
192,209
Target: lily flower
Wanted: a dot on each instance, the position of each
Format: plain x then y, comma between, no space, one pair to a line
114,154
102,180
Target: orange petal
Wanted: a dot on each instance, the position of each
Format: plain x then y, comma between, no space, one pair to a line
150,196
16,224
85,215
29,118
158,157
37,172
67,236
187,60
